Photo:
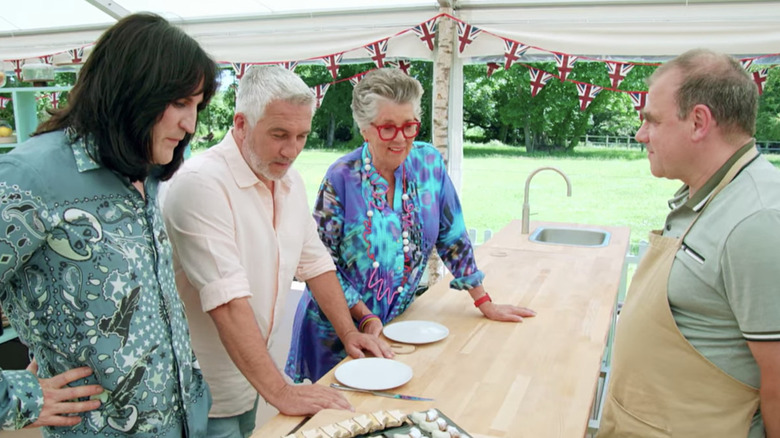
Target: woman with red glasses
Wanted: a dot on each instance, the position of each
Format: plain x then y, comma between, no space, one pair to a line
381,210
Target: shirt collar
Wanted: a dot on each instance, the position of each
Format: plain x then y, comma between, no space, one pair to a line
243,175
83,148
699,199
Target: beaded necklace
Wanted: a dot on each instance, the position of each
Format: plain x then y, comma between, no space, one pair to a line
376,203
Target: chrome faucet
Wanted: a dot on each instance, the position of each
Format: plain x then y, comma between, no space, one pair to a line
526,207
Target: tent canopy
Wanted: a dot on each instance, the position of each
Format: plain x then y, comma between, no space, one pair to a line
297,30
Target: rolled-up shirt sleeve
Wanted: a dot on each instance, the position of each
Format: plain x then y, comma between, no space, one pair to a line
200,220
315,258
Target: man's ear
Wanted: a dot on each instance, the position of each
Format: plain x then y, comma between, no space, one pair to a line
240,127
703,122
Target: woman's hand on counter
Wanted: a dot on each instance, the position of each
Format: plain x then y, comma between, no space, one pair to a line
297,400
505,312
355,343
498,312
373,327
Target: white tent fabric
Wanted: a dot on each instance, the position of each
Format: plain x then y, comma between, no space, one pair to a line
632,30
606,29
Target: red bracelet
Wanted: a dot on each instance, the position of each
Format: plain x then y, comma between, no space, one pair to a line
481,300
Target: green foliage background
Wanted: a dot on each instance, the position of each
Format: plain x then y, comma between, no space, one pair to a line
498,108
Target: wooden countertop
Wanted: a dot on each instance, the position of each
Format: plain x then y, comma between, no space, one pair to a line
534,379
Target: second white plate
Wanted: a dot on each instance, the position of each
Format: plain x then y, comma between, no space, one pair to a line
373,373
415,332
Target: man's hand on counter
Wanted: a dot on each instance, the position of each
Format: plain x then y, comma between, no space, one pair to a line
297,400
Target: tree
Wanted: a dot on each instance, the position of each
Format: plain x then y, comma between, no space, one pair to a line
768,120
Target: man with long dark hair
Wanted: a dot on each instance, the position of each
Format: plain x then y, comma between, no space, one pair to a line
85,261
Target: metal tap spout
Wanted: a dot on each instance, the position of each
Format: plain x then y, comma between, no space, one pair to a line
526,207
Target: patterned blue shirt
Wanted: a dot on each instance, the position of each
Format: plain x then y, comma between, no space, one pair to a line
381,258
86,280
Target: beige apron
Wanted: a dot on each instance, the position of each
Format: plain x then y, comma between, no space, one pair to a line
660,385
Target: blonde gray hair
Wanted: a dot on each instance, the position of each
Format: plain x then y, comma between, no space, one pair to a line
384,85
262,85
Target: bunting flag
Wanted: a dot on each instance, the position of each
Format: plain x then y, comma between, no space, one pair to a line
759,77
539,79
239,68
565,63
319,92
618,71
491,68
332,64
289,65
354,80
378,51
746,63
76,55
512,52
639,99
466,35
427,32
18,63
4,101
54,97
587,92
400,64
47,59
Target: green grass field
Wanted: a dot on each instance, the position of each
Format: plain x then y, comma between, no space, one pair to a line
609,187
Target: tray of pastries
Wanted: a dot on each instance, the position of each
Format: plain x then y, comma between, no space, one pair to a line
387,424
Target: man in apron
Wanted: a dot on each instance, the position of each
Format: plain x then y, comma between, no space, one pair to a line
696,352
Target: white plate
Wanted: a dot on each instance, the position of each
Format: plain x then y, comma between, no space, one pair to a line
373,373
415,332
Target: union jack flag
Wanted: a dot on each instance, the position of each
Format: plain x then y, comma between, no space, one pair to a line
639,99
378,51
512,52
47,59
240,69
54,98
427,32
618,71
289,65
587,92
759,77
539,79
401,64
747,62
332,64
76,55
354,80
4,101
466,35
491,68
319,92
565,64
18,63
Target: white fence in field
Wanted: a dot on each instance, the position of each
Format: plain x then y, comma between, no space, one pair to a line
625,141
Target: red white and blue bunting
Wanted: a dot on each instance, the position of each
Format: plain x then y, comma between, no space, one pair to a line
382,54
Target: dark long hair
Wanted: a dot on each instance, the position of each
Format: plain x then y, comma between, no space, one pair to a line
136,69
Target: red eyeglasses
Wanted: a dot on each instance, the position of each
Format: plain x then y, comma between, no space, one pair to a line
390,132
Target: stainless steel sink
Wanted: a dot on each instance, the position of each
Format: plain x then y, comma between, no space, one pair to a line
571,236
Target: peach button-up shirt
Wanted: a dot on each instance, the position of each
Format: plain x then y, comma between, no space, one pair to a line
233,238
